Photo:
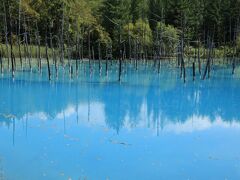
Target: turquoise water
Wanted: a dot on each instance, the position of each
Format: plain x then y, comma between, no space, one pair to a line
149,126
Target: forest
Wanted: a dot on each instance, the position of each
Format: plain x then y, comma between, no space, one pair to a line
114,29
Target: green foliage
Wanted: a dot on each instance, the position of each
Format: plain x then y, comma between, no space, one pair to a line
238,44
28,7
114,15
155,12
138,9
169,36
108,20
139,31
177,12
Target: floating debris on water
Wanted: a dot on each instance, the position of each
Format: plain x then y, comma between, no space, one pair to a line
118,142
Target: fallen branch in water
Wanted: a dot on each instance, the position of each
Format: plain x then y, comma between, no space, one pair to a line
118,142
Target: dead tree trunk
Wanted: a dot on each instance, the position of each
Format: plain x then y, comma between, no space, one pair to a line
1,61
47,58
7,10
69,56
68,50
62,36
89,50
129,45
233,63
199,60
26,43
194,73
208,65
120,55
39,51
77,51
99,56
19,34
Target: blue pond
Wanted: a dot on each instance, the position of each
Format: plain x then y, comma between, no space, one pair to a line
149,126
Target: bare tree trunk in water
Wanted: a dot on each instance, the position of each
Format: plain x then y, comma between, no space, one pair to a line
48,64
77,52
39,50
99,55
19,34
26,34
62,38
11,43
1,59
89,50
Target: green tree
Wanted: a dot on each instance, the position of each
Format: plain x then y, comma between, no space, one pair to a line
238,44
168,37
155,12
115,14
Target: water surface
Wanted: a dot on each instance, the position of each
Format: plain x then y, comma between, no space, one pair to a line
149,126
